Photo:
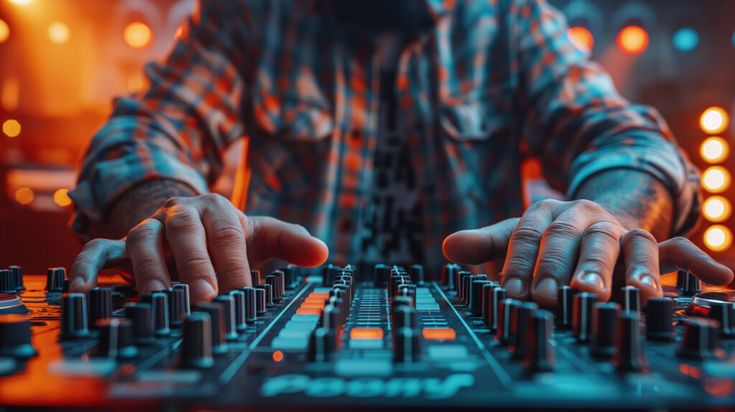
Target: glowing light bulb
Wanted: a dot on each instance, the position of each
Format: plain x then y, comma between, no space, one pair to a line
714,120
24,196
11,128
714,149
581,37
716,179
633,40
58,32
718,238
61,197
4,31
137,35
717,209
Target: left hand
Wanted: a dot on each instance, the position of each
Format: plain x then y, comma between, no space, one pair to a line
577,242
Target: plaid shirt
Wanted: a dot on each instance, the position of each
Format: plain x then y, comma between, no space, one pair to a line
493,83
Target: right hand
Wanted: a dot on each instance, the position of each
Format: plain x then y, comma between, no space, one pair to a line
213,245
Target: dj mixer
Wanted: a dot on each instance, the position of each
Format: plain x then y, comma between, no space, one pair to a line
384,339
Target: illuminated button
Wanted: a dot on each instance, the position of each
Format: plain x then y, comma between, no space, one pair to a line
308,311
439,334
366,333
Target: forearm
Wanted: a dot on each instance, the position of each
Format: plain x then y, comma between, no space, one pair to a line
136,205
635,198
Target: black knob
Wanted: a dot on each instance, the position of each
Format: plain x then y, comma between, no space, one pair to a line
403,316
280,282
7,281
475,298
520,321
74,316
492,315
55,279
217,315
631,297
687,283
268,290
629,355
406,345
487,296
700,339
582,312
449,275
604,323
330,272
260,301
141,317
240,312
17,272
186,301
540,352
273,283
251,304
331,317
565,308
380,275
255,277
291,276
659,319
176,306
503,328
417,273
100,305
228,308
724,313
15,337
159,308
116,339
463,286
196,341
322,345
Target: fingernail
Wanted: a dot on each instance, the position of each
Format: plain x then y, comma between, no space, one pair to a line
77,284
592,279
648,280
547,288
202,288
153,285
515,288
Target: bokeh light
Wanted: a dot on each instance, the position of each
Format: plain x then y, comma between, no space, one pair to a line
20,2
61,197
716,179
717,209
58,32
4,31
582,38
714,120
718,238
137,35
24,196
686,39
11,128
714,149
633,40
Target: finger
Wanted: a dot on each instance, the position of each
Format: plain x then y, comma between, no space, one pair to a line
640,254
144,245
681,254
95,256
226,240
524,247
187,240
270,238
558,251
598,252
476,246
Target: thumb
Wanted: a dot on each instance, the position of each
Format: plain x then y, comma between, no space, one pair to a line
681,254
268,238
477,246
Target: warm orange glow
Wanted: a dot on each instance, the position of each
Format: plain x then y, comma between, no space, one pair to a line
717,209
24,196
714,120
714,149
61,197
179,32
366,333
308,311
11,128
633,40
137,35
58,32
718,238
439,333
716,179
4,31
581,37
20,2
277,356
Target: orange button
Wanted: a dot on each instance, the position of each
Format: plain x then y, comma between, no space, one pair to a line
439,333
312,306
324,295
366,333
309,311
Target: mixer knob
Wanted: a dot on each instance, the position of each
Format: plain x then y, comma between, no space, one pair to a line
487,297
160,318
196,341
406,345
55,279
505,311
240,312
280,282
520,320
604,322
659,319
290,275
7,281
403,316
463,286
268,290
475,297
330,273
216,313
322,345
417,273
724,313
565,308
273,283
141,316
700,339
186,301
15,337
116,339
100,305
582,315
251,304
631,297
255,277
381,272
540,353
629,355
260,301
331,317
688,284
176,306
492,317
228,308
17,272
74,316
449,275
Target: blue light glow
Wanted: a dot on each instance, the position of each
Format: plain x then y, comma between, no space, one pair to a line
686,39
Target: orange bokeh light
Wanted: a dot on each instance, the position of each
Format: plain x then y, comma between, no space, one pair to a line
714,120
277,356
137,35
24,196
4,31
581,37
633,40
61,197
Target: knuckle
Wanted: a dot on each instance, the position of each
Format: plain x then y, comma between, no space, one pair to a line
602,228
215,199
141,231
194,261
95,243
640,235
171,201
544,204
182,218
681,241
528,234
553,262
587,204
561,228
226,233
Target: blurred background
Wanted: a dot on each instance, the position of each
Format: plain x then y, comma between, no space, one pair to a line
63,61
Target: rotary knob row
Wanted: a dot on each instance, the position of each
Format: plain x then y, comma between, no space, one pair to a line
11,280
324,340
